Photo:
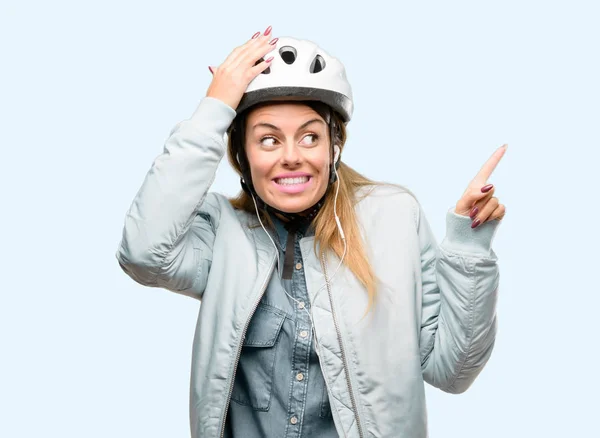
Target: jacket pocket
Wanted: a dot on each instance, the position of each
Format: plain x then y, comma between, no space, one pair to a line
254,376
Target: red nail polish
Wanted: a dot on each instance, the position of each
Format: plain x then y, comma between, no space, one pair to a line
268,31
475,223
211,70
474,212
255,35
269,59
487,188
274,41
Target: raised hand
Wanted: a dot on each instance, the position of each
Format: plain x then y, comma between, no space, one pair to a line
478,201
232,77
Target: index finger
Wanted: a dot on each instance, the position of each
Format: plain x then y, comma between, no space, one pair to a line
486,170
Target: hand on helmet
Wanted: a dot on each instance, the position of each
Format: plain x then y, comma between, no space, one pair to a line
478,201
232,77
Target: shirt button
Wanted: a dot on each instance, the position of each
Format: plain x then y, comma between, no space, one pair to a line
293,420
299,376
298,266
301,305
303,334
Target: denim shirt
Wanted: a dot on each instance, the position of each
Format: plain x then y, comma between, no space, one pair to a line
279,390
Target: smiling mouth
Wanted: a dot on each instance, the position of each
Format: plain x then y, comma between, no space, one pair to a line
292,181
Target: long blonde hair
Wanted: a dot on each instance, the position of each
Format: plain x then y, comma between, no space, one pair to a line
327,235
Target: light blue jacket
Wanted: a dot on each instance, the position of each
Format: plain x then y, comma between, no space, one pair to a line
434,319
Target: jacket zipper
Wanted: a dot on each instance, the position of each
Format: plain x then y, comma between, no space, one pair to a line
339,337
239,348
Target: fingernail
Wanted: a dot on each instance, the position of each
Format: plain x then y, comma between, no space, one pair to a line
274,41
269,59
474,212
255,35
268,31
487,188
475,223
211,70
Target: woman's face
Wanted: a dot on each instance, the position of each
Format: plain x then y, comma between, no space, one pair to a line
287,145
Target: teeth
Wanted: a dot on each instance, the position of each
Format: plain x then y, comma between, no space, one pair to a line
291,181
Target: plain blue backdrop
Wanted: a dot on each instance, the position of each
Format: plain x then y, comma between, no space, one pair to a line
90,91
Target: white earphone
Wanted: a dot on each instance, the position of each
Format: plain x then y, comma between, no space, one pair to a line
336,157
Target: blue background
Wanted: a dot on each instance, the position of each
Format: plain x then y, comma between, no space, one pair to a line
90,91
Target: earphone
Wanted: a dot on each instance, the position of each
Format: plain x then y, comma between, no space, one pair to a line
336,164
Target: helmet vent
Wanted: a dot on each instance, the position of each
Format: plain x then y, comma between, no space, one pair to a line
265,71
288,54
317,65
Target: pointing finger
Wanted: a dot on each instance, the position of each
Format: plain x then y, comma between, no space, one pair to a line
486,170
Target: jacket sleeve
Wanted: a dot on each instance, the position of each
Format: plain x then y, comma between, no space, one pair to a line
459,291
170,227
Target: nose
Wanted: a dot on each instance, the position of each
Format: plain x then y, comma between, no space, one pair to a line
290,156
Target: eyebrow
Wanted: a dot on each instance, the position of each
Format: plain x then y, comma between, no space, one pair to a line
275,128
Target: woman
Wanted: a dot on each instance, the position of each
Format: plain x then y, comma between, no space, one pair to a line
326,301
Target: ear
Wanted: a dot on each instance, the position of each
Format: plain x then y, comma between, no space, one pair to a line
336,151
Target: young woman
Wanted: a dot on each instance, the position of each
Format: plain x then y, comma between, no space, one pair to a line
326,301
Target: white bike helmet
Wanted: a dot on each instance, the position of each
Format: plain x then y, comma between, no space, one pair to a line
301,70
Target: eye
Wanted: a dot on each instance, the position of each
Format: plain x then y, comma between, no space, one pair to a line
268,141
312,137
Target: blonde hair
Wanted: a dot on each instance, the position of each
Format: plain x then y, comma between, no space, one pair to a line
326,231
